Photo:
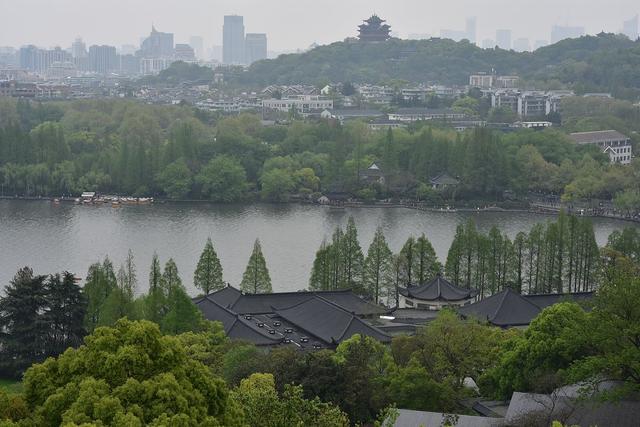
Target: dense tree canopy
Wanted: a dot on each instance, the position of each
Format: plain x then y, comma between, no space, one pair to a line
129,374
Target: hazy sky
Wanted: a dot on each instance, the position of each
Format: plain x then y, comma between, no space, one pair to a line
292,24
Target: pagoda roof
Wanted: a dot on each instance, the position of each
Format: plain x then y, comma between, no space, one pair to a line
438,289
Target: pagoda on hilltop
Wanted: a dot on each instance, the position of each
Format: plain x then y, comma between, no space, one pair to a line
374,29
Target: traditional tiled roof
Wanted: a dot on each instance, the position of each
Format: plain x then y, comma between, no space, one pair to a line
597,136
328,321
506,308
545,300
444,179
439,289
242,303
236,326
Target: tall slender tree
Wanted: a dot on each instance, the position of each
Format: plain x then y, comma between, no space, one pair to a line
100,282
256,277
64,313
208,274
23,331
378,270
352,257
155,301
427,262
321,271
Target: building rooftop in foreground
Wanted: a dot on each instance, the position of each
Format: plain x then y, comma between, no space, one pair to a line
304,319
510,309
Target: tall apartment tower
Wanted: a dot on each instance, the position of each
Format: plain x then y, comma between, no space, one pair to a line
470,29
255,47
197,43
630,28
503,39
233,40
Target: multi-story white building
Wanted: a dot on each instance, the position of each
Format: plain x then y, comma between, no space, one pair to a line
615,144
415,114
529,103
302,104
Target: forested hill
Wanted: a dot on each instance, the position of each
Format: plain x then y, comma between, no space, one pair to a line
585,64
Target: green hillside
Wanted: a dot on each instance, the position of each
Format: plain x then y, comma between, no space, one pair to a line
584,64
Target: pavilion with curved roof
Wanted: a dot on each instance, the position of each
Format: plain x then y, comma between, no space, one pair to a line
435,295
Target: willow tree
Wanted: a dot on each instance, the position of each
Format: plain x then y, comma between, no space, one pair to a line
256,277
208,274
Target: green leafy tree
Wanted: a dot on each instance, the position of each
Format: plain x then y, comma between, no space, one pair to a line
277,185
256,277
378,270
537,361
363,361
223,179
180,313
452,349
263,406
613,328
128,375
208,274
175,180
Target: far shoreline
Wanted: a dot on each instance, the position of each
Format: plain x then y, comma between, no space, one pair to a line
354,205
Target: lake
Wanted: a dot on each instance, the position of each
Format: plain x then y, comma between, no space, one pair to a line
52,238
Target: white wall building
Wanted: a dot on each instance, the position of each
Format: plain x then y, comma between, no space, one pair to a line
302,104
613,143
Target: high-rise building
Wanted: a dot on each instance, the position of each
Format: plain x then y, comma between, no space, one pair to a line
214,53
503,39
129,64
27,57
561,32
255,47
233,40
78,48
470,29
103,59
630,28
157,45
521,45
197,43
184,52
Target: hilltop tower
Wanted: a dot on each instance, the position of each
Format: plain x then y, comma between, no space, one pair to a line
374,29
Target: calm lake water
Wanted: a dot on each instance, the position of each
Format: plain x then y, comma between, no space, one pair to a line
52,238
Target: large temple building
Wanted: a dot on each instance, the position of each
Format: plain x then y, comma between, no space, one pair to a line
306,320
374,29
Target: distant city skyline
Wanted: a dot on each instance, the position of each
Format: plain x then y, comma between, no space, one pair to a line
60,22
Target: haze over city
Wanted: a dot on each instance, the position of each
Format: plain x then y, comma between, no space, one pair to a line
293,24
